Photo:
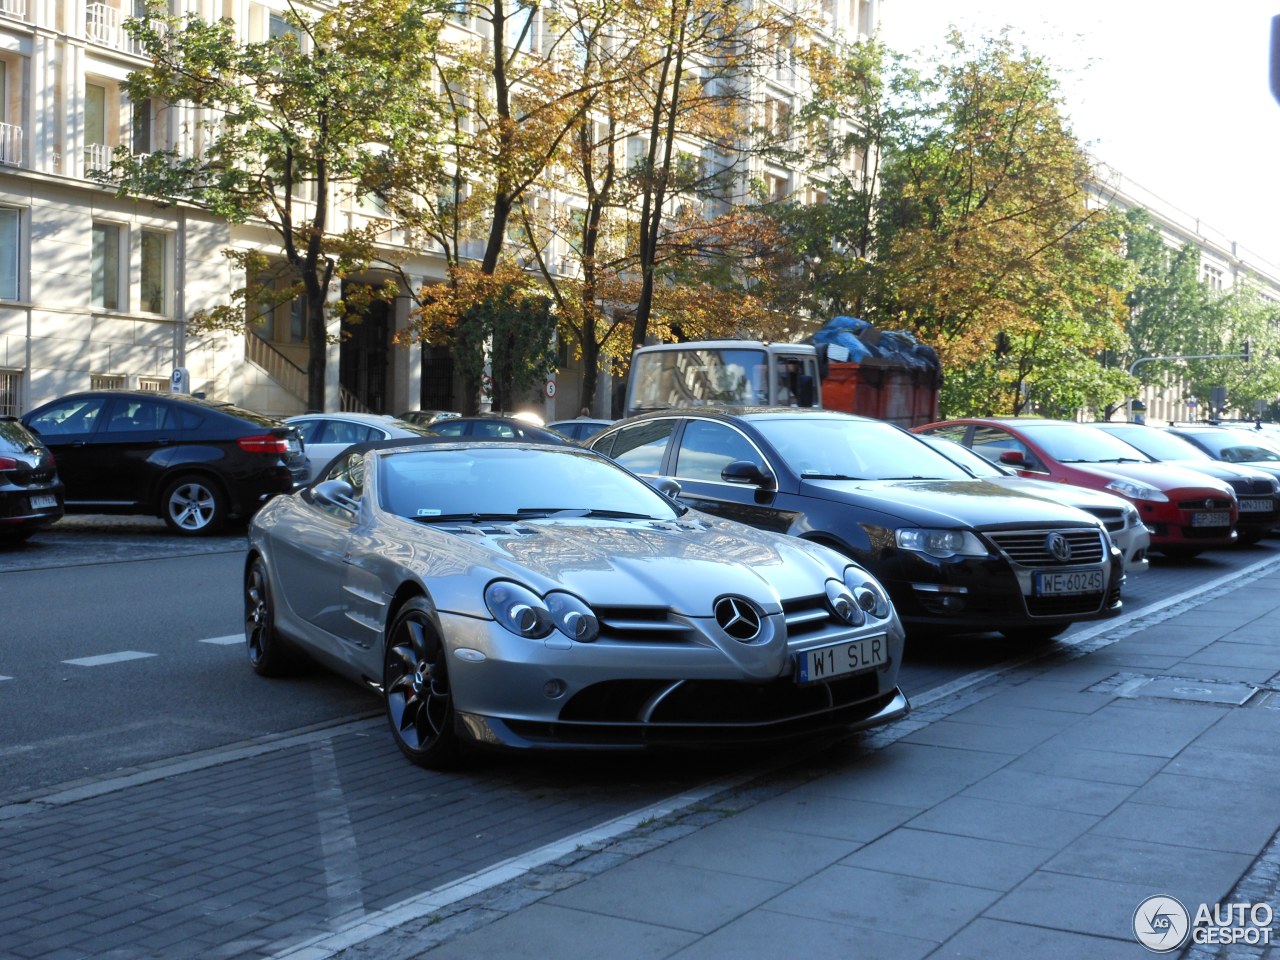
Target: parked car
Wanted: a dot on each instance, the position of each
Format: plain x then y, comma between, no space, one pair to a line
539,596
192,461
1186,512
503,428
1117,514
325,435
957,555
30,491
1232,445
1257,491
424,418
581,428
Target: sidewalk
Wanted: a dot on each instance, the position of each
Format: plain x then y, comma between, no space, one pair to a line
1027,816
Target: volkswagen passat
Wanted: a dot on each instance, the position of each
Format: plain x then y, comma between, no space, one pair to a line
529,595
957,554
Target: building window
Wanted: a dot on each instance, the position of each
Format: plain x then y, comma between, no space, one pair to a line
106,381
143,115
154,269
10,238
105,266
1213,277
10,392
278,27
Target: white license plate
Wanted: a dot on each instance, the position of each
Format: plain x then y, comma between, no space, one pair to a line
1256,506
1218,518
41,502
1062,583
842,658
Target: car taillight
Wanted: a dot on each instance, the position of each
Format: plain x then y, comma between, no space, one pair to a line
266,443
8,463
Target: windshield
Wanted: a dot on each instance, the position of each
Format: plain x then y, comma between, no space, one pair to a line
1076,443
428,483
1158,444
685,378
975,463
818,448
1236,446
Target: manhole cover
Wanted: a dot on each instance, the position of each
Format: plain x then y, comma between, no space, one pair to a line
1202,691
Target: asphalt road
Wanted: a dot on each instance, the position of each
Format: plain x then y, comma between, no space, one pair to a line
121,647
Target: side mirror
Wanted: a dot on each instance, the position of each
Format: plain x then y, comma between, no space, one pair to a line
746,472
666,486
1014,458
336,493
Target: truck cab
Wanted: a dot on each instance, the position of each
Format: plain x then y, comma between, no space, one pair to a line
723,373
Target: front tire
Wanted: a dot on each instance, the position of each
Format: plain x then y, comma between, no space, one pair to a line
194,506
415,685
269,654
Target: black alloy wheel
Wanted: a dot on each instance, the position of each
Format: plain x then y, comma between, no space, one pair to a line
194,506
269,654
415,684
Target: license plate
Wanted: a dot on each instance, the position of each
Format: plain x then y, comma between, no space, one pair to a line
839,659
1062,583
42,502
1256,506
1216,519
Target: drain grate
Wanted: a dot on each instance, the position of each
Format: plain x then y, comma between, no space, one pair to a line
1233,693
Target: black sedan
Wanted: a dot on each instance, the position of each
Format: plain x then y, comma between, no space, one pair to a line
192,461
495,428
30,491
957,554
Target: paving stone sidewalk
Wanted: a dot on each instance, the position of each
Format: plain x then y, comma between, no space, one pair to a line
1025,817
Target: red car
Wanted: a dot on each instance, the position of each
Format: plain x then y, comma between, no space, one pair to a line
1186,512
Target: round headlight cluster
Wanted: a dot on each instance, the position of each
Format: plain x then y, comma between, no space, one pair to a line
867,593
526,614
843,605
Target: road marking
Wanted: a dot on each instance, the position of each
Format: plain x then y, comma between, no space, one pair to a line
342,878
109,658
225,641
6,678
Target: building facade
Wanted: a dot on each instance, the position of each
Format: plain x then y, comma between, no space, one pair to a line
97,290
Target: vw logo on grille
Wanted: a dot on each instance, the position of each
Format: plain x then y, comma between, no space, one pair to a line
1059,546
738,618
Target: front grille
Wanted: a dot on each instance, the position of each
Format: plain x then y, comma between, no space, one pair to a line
1205,503
1030,548
642,624
1245,487
1113,518
808,615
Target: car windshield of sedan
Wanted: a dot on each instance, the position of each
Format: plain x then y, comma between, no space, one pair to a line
506,482
817,448
1227,446
1076,443
1160,445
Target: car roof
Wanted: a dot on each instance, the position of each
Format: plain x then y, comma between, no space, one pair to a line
353,417
438,441
750,414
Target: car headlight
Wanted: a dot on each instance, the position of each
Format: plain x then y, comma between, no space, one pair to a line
867,593
1136,490
1131,516
572,617
940,543
842,602
518,609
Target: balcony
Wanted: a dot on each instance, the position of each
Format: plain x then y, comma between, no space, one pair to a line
103,25
10,145
14,9
97,160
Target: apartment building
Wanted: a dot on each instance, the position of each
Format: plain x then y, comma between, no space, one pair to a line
1224,264
96,290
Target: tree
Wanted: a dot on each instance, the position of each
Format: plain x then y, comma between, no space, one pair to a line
286,126
984,234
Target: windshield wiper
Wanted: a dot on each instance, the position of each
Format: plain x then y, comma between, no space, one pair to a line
472,517
829,476
554,512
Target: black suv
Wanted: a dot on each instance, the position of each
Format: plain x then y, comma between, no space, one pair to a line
193,462
30,491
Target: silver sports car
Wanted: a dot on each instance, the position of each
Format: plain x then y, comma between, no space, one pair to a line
534,596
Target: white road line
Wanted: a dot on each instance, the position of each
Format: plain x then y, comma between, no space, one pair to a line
6,678
109,658
225,641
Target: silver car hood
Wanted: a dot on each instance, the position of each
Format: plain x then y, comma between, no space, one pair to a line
669,564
